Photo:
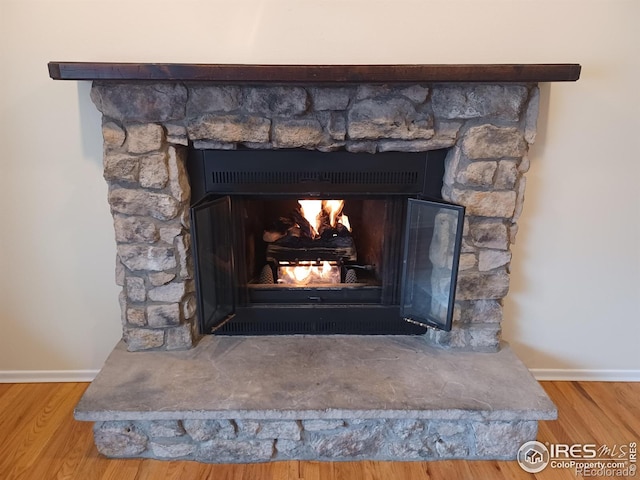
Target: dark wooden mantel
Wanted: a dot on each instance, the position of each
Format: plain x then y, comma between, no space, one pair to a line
226,73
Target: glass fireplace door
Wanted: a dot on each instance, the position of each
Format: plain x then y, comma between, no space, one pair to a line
433,236
214,260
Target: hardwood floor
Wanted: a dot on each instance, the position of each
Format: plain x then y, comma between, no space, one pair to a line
40,440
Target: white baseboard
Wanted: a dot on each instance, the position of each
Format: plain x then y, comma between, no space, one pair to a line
584,375
46,376
542,374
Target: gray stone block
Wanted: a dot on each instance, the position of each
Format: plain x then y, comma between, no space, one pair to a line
180,338
348,443
176,134
202,430
484,337
146,257
480,286
144,138
394,118
275,101
160,278
284,429
163,315
295,133
178,177
477,174
121,167
330,98
413,145
491,142
170,232
404,429
136,316
451,447
467,261
502,439
162,428
212,98
490,259
319,425
489,233
373,91
135,229
531,115
415,93
170,293
140,102
189,306
361,147
142,338
504,101
229,128
480,311
486,204
136,291
143,203
414,448
113,135
336,126
119,439
235,451
170,449
153,171
506,175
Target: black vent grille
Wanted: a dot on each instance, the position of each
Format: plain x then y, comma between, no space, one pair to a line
310,327
336,178
298,172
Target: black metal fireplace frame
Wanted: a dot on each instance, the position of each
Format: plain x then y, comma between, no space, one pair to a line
220,178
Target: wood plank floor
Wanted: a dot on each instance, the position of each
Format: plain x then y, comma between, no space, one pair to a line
40,440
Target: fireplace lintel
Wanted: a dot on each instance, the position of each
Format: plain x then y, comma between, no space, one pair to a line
262,74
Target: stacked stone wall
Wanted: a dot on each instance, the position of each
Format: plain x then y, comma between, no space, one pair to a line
147,127
250,441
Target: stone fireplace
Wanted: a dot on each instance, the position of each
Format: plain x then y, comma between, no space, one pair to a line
149,129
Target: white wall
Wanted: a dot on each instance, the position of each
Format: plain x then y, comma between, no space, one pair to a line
575,296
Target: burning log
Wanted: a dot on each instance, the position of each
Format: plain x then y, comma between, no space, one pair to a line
278,229
294,238
306,230
292,249
324,224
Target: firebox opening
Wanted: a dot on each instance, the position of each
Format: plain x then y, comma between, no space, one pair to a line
291,242
302,251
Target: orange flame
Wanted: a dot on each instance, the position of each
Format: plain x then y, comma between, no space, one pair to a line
312,211
344,220
306,273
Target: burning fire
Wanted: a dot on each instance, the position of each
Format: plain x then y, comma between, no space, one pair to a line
313,211
305,273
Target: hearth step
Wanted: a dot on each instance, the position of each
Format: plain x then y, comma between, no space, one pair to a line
255,399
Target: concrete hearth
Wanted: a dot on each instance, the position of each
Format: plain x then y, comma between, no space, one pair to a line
247,399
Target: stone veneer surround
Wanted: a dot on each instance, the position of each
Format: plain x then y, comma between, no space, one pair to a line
415,402
147,128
